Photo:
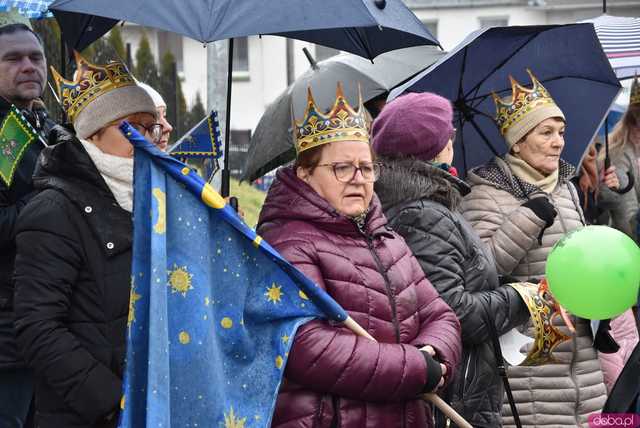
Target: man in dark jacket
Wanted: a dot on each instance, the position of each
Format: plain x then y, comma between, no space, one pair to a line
23,73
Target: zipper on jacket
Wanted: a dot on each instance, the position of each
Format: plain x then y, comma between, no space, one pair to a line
574,349
387,283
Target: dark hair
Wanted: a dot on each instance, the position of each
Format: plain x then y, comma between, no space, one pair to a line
14,28
309,158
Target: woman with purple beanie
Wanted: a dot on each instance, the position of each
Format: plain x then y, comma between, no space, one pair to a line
420,195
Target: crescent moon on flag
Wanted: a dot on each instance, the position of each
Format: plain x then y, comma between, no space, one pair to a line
160,226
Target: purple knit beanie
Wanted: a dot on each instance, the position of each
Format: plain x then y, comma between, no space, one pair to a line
415,124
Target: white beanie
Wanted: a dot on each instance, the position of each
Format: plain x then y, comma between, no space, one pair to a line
155,95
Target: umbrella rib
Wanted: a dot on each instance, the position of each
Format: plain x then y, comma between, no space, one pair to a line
484,137
464,66
364,43
477,86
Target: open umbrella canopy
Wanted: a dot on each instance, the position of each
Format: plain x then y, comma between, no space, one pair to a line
78,30
363,27
567,59
272,142
620,39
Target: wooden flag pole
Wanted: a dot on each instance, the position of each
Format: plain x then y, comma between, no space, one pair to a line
431,396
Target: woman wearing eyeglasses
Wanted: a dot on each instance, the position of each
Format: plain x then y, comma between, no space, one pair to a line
73,264
161,109
323,216
420,195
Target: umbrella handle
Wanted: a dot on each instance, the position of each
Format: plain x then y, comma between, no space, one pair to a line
447,410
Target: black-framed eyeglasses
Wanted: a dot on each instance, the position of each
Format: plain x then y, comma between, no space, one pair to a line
154,130
346,171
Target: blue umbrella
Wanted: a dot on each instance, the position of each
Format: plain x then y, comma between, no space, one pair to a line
363,27
568,60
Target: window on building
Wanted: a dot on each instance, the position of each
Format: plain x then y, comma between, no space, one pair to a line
241,54
323,52
432,26
494,21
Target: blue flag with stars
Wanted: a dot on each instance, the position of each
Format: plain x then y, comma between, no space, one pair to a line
213,308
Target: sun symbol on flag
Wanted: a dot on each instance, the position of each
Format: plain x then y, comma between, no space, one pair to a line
274,293
231,421
180,280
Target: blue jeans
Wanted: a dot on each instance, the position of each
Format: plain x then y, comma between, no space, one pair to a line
16,393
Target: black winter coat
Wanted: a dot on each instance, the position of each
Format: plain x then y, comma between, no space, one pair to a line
72,279
420,201
12,200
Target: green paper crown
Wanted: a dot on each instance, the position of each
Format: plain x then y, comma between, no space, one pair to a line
16,134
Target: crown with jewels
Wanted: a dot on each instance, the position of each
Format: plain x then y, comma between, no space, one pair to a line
523,101
90,82
341,123
635,92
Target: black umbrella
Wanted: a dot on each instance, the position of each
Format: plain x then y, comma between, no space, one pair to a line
363,27
272,141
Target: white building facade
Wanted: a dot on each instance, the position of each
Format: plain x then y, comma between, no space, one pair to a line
264,66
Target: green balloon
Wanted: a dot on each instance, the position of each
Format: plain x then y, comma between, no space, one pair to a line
594,272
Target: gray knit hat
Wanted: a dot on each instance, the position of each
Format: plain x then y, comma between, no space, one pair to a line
100,95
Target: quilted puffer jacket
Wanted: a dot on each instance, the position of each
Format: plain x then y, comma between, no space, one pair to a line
334,378
562,394
421,202
625,332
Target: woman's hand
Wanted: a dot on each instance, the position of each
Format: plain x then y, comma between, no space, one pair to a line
429,350
610,178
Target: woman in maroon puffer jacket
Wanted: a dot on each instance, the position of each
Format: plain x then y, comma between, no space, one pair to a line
323,217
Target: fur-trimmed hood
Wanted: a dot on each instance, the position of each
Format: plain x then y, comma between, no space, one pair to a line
409,179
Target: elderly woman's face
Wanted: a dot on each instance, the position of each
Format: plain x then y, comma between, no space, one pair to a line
166,129
350,197
541,148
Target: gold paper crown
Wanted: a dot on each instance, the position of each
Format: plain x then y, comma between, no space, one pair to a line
341,123
523,101
90,81
635,92
543,309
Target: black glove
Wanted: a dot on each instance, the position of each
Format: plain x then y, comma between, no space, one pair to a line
544,210
434,372
603,341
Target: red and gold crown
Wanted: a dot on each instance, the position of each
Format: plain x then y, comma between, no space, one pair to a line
341,123
523,101
634,98
90,81
543,309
